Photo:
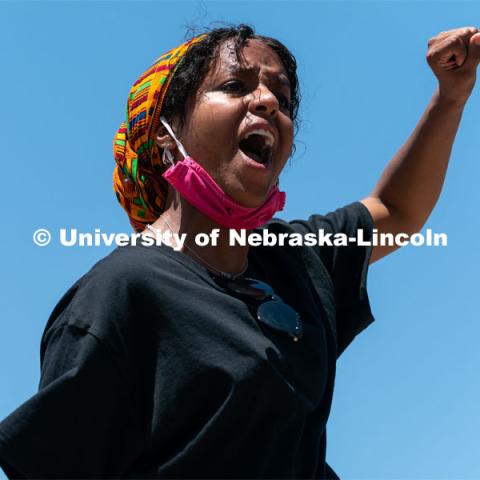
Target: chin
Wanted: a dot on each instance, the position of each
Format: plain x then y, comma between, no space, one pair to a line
248,193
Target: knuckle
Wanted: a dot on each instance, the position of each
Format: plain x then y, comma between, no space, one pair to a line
453,42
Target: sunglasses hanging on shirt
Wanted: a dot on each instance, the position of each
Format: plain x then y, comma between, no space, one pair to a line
271,310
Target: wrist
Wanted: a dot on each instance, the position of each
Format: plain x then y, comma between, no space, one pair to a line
449,99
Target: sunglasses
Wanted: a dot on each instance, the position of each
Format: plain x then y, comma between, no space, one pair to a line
271,310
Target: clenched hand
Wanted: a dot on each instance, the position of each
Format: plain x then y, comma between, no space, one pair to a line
453,56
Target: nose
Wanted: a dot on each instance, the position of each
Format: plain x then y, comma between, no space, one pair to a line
264,102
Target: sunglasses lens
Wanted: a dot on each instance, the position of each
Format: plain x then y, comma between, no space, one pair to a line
271,310
280,316
262,286
249,288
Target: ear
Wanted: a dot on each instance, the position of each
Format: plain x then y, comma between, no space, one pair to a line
164,140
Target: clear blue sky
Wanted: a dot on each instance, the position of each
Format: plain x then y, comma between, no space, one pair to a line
407,390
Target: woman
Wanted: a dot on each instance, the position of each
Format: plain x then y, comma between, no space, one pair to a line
219,360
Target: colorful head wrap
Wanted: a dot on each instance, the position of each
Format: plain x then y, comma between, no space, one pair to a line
137,179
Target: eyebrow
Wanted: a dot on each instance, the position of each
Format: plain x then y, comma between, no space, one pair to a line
282,78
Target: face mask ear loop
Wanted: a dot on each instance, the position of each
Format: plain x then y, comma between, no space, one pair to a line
170,131
167,157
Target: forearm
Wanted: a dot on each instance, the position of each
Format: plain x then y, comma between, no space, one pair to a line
411,183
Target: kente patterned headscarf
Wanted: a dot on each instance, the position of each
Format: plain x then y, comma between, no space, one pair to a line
137,179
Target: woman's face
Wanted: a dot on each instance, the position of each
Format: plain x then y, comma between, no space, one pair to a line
238,125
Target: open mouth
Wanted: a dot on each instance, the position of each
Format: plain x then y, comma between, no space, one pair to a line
258,146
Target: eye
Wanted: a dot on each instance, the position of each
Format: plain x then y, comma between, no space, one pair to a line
283,101
233,86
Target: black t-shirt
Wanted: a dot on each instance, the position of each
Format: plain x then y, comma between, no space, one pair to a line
151,370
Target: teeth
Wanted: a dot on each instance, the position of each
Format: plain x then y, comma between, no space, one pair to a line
264,133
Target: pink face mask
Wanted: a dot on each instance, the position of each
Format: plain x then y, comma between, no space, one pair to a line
194,183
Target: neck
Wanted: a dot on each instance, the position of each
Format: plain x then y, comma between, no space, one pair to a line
183,218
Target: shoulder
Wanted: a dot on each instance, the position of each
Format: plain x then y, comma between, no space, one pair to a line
345,219
113,291
322,230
